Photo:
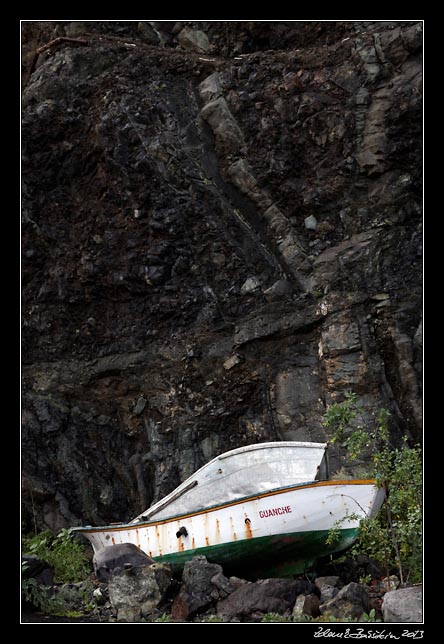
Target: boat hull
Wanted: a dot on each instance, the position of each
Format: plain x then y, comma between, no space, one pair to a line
278,533
282,555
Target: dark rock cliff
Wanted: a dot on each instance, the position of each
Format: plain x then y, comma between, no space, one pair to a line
221,236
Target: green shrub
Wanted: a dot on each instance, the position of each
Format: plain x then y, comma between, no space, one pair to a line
43,599
275,617
165,617
40,596
69,558
394,536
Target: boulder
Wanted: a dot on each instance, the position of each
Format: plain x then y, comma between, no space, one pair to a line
227,132
111,559
202,584
136,592
307,605
310,222
329,580
328,592
241,175
224,585
351,601
148,34
39,569
328,587
194,39
210,88
403,605
254,599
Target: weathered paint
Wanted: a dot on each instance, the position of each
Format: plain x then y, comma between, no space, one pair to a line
248,530
283,555
314,509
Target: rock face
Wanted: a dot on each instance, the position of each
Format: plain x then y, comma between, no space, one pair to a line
135,593
113,558
169,172
403,605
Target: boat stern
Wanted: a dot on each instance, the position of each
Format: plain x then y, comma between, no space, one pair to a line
93,535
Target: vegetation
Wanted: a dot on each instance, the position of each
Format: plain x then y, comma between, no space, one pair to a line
65,603
164,618
68,557
40,597
394,536
71,564
275,617
209,619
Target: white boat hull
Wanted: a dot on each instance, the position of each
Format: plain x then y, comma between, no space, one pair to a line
293,522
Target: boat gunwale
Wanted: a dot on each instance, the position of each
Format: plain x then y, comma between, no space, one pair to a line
252,497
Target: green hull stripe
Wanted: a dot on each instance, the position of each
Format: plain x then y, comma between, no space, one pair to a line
278,555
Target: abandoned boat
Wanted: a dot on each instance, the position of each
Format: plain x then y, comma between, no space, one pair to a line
267,508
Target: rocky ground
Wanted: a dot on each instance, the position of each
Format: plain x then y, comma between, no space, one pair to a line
147,593
221,236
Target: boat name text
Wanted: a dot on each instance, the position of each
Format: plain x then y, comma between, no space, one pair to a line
273,512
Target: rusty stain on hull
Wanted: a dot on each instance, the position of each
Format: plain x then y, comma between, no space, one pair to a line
193,543
217,531
207,543
248,531
181,546
158,540
233,531
112,541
